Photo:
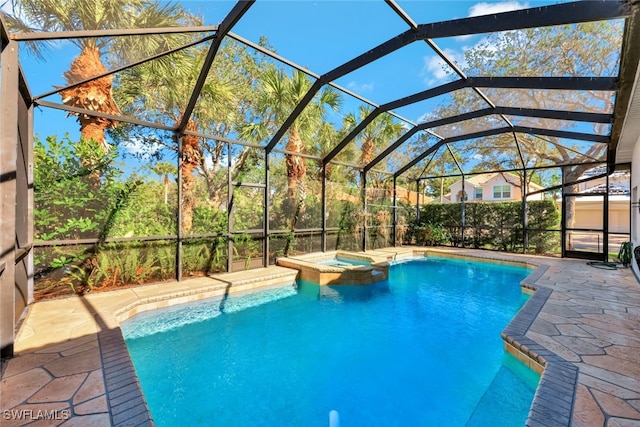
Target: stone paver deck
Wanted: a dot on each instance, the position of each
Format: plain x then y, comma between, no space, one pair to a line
582,326
72,366
588,324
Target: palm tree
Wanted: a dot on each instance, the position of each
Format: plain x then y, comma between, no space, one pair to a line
279,95
381,131
171,84
76,15
164,169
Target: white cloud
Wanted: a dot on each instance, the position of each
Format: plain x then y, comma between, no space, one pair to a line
485,8
435,69
425,118
360,88
139,148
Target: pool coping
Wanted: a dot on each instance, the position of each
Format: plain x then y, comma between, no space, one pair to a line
555,399
125,397
126,404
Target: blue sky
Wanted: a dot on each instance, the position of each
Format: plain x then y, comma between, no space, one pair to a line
319,35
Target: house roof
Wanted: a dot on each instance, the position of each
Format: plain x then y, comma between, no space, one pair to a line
602,170
614,189
480,179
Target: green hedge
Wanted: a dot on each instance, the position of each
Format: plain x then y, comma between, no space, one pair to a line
494,225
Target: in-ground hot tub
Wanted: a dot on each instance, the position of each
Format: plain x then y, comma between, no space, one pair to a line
338,268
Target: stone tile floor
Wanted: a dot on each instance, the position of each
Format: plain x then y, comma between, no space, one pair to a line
70,367
592,320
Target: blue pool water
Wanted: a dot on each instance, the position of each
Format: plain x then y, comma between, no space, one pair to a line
342,262
422,348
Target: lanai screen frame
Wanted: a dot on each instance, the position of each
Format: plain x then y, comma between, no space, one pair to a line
566,13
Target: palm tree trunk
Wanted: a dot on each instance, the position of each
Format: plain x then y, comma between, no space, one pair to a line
296,170
190,161
166,188
95,95
296,166
328,171
367,151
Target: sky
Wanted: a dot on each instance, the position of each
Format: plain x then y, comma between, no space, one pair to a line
318,35
321,35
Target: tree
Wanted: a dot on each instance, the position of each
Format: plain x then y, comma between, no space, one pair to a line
379,133
436,188
68,204
164,169
75,15
587,49
500,153
160,91
279,95
440,168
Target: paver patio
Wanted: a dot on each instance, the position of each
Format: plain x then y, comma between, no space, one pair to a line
72,367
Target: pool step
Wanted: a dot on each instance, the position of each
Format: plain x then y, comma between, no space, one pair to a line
256,279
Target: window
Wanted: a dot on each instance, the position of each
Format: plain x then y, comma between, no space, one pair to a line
462,196
478,194
502,191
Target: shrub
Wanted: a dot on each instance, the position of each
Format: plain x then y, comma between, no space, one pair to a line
495,225
432,235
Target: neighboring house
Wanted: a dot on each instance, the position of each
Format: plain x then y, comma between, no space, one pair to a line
589,208
589,213
619,182
491,187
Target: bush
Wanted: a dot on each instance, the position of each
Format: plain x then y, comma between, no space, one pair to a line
493,225
432,235
543,215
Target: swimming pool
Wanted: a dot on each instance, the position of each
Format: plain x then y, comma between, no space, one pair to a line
422,348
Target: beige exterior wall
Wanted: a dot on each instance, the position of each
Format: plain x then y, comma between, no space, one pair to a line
457,187
635,193
589,213
619,221
487,191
